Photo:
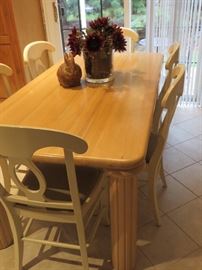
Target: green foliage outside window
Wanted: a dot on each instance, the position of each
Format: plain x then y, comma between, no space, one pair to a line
111,8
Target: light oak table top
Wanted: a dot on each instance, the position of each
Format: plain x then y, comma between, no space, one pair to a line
115,119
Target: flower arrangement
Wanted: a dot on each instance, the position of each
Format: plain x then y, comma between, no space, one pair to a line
97,43
101,34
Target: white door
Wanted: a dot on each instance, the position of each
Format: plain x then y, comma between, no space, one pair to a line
52,26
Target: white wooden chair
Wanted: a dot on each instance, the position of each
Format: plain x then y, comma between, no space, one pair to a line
171,62
132,38
158,139
50,192
5,73
32,56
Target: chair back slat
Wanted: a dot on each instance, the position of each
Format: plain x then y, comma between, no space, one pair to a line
71,174
38,194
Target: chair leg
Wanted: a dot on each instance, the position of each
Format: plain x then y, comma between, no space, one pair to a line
18,246
82,243
162,175
153,198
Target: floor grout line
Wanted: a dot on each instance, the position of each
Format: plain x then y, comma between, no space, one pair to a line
184,231
186,186
186,140
182,152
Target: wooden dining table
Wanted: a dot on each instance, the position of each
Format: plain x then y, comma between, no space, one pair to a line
114,119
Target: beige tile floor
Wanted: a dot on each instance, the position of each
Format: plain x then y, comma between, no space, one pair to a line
177,244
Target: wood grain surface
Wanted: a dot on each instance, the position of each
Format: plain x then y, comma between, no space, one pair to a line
115,119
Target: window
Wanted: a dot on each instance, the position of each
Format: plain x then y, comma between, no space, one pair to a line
79,12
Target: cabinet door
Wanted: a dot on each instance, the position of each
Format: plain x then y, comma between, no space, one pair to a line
9,47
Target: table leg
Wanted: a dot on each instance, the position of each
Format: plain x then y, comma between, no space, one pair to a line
123,212
6,175
6,238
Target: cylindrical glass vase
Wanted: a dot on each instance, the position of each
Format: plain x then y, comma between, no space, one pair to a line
98,66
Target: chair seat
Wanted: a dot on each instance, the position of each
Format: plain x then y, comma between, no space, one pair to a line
57,186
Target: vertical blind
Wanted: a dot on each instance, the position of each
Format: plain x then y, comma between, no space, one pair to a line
181,21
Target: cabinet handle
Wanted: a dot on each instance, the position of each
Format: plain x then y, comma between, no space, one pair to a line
55,12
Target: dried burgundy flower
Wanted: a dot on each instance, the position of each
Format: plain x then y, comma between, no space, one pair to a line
119,42
100,34
93,42
75,42
99,23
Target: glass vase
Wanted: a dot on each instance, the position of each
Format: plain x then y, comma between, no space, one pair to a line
98,66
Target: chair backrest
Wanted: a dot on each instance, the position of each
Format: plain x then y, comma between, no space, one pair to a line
173,58
168,107
131,36
172,61
17,146
32,56
5,72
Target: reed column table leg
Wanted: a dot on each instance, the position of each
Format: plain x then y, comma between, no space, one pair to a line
6,175
6,238
123,212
